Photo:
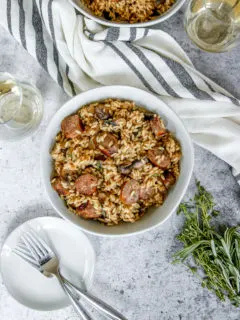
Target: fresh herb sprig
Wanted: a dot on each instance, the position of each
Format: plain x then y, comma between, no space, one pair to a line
217,253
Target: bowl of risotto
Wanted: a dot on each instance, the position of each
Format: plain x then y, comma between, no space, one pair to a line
128,13
116,161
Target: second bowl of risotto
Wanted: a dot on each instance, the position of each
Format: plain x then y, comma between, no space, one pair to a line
128,13
116,160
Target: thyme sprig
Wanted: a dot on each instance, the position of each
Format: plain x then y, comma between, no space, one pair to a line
217,253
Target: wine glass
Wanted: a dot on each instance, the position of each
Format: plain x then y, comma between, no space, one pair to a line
213,25
21,108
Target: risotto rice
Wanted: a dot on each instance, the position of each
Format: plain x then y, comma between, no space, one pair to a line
131,11
113,160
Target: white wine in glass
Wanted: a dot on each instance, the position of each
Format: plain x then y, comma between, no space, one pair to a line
21,108
213,25
10,98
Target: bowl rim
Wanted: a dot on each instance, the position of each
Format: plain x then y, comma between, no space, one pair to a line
116,88
171,11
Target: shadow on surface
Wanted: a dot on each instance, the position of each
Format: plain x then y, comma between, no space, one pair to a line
28,213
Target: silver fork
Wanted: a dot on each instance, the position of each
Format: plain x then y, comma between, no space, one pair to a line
36,252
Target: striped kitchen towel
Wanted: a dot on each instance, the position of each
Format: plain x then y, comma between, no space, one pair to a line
80,54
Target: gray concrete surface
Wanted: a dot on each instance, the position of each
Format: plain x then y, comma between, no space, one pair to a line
134,274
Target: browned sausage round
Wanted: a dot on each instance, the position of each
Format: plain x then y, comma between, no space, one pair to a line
157,126
86,184
72,126
107,143
57,186
130,192
86,210
146,192
102,112
159,158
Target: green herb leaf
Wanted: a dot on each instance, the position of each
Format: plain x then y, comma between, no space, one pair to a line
99,166
156,175
214,252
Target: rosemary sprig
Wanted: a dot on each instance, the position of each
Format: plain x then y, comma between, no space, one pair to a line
215,253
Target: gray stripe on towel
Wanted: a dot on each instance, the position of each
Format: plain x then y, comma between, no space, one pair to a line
133,34
113,34
9,19
131,66
146,32
41,50
40,6
232,99
55,52
70,81
185,79
22,23
148,64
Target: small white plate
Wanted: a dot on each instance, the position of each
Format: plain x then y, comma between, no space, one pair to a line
30,287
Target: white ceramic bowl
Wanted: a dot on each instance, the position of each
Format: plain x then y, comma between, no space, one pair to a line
153,217
79,5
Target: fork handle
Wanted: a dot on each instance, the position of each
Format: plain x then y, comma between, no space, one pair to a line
80,310
102,306
77,305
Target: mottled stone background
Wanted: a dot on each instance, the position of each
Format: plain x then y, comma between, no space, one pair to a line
134,274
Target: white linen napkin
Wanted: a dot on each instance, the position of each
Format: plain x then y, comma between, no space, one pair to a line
80,54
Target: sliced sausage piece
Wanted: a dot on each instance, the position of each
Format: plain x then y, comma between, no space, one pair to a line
169,180
57,186
107,143
72,126
130,192
86,210
157,126
102,112
159,158
86,184
146,192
